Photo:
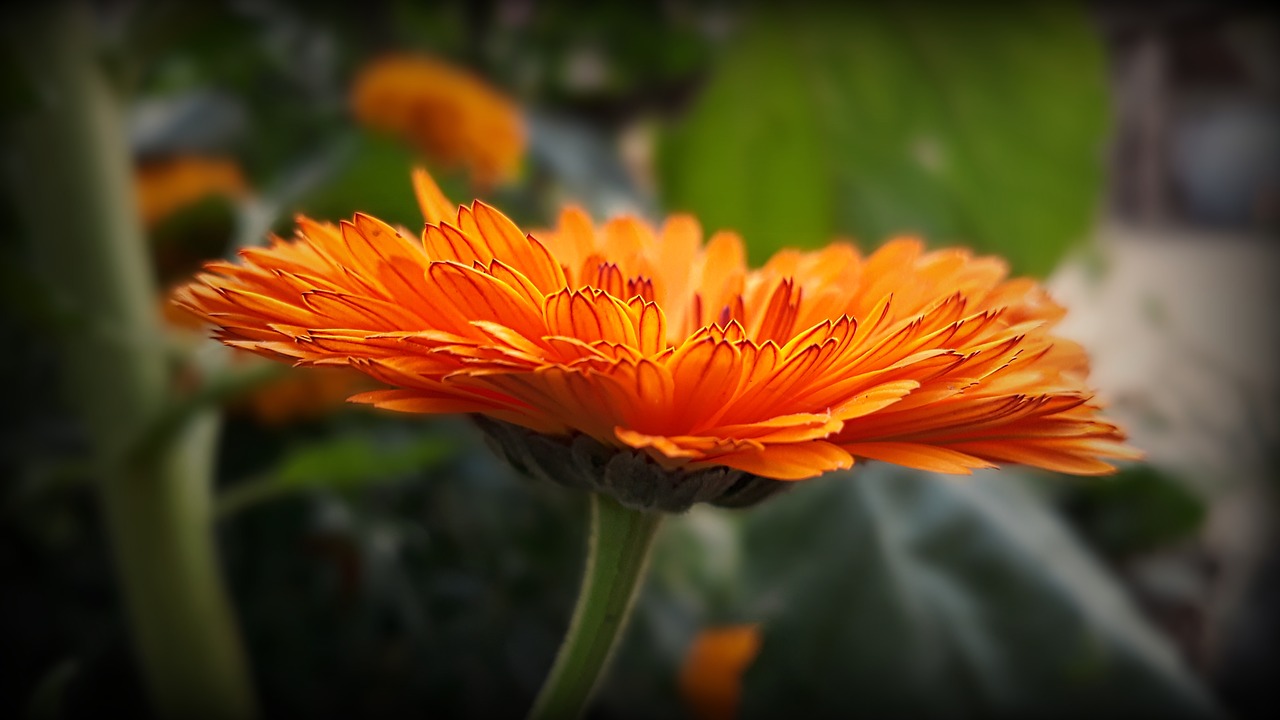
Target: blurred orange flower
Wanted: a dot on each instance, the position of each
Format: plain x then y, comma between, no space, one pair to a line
711,677
451,115
302,394
651,342
166,186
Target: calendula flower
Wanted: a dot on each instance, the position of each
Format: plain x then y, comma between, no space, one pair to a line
166,186
711,677
647,365
449,114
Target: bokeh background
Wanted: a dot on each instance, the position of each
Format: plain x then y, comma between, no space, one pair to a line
1128,153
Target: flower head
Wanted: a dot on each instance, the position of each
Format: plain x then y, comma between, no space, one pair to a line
649,357
452,116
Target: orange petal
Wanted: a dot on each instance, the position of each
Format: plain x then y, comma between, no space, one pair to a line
797,461
436,208
919,456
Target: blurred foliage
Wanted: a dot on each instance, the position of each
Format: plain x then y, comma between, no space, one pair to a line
978,126
281,73
441,587
601,54
181,242
1140,509
343,463
968,588
17,92
369,179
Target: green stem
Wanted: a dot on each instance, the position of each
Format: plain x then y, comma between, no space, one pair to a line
617,557
75,185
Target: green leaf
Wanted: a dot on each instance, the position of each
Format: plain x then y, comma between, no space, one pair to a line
376,180
352,461
888,592
976,127
341,464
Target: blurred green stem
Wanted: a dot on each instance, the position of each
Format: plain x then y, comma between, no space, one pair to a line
617,557
75,186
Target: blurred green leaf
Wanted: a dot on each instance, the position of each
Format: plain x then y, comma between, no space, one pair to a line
375,180
342,463
971,126
910,595
1138,509
351,461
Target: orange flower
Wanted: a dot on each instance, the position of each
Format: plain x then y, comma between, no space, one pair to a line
652,344
711,678
449,114
166,186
